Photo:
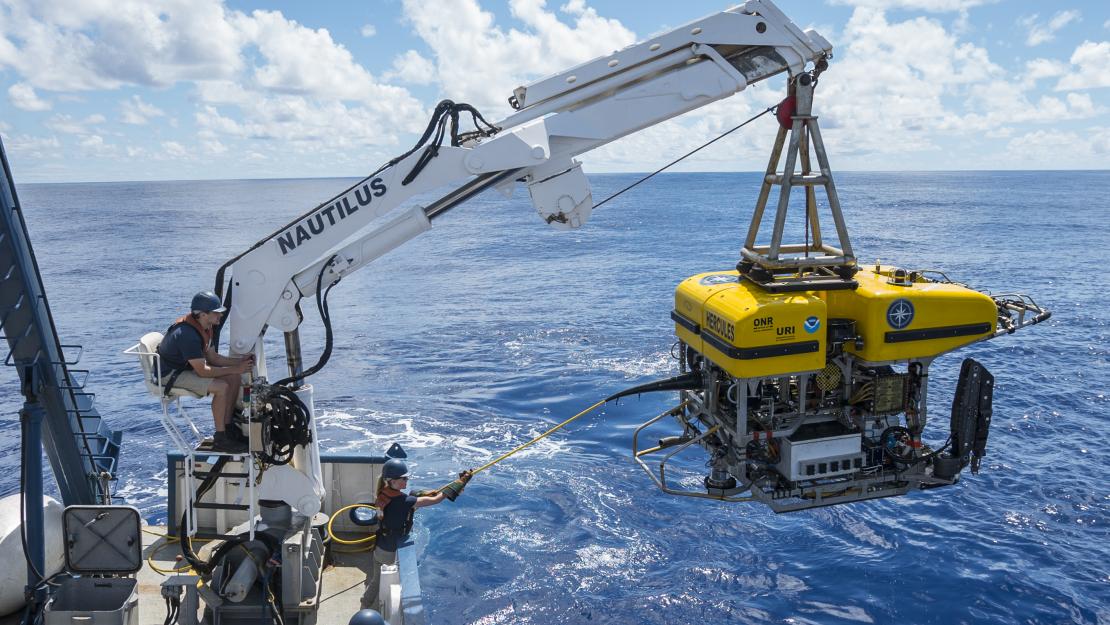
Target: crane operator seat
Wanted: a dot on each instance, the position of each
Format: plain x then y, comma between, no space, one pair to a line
148,357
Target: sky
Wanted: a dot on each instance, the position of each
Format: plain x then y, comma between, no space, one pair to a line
104,90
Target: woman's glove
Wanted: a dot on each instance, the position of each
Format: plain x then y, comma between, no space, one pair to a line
454,489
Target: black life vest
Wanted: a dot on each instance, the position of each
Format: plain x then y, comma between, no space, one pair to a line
389,526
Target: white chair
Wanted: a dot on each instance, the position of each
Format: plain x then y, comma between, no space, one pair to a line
147,351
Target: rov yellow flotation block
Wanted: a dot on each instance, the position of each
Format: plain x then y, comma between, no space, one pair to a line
745,330
901,316
897,316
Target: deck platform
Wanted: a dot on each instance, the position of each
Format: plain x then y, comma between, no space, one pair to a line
339,598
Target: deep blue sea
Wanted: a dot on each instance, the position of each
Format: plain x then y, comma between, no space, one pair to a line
492,327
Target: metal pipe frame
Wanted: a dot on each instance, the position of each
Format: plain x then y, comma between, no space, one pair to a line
661,480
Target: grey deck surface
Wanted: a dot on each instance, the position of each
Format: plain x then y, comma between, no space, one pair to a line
338,601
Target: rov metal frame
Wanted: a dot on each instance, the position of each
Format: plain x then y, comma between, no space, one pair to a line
661,480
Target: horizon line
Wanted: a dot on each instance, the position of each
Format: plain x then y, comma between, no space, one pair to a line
614,173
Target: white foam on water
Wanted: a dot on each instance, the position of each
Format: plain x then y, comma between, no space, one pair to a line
472,444
657,363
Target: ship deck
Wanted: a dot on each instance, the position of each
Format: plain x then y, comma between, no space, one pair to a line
339,598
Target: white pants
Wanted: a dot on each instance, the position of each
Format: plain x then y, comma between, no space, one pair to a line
373,579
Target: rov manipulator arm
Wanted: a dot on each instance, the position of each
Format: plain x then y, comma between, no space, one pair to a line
556,119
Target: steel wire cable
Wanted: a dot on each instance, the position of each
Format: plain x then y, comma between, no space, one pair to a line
690,153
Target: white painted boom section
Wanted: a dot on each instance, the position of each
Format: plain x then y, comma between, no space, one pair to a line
739,25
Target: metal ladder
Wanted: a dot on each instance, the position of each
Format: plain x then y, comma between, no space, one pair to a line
246,478
82,449
814,264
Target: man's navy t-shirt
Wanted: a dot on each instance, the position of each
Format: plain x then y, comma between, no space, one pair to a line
180,345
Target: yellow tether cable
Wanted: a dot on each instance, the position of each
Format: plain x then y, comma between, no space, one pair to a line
155,551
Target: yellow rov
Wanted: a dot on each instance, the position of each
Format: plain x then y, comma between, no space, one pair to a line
805,377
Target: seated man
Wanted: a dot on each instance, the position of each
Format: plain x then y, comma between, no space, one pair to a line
190,361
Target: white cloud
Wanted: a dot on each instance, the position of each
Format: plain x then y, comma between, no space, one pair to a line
28,146
932,6
213,147
135,111
1082,104
962,25
60,45
1037,69
1071,149
309,125
1039,33
286,77
412,68
174,150
304,71
73,126
1090,60
23,96
1005,102
368,30
481,63
302,60
886,91
94,145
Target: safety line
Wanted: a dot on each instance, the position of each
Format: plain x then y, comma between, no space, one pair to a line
691,152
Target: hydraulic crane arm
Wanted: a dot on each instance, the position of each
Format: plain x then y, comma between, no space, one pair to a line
557,118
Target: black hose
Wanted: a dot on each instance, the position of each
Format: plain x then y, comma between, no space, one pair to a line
684,382
182,528
325,317
287,426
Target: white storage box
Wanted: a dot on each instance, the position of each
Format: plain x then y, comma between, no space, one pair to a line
820,451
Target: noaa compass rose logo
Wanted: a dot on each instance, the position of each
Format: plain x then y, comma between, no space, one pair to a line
812,324
900,313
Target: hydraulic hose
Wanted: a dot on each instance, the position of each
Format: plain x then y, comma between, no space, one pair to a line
186,541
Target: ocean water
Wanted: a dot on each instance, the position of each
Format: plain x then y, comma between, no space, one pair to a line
492,327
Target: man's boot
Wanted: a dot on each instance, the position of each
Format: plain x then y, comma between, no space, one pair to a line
224,443
236,433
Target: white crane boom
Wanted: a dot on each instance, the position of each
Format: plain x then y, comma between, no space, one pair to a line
558,118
